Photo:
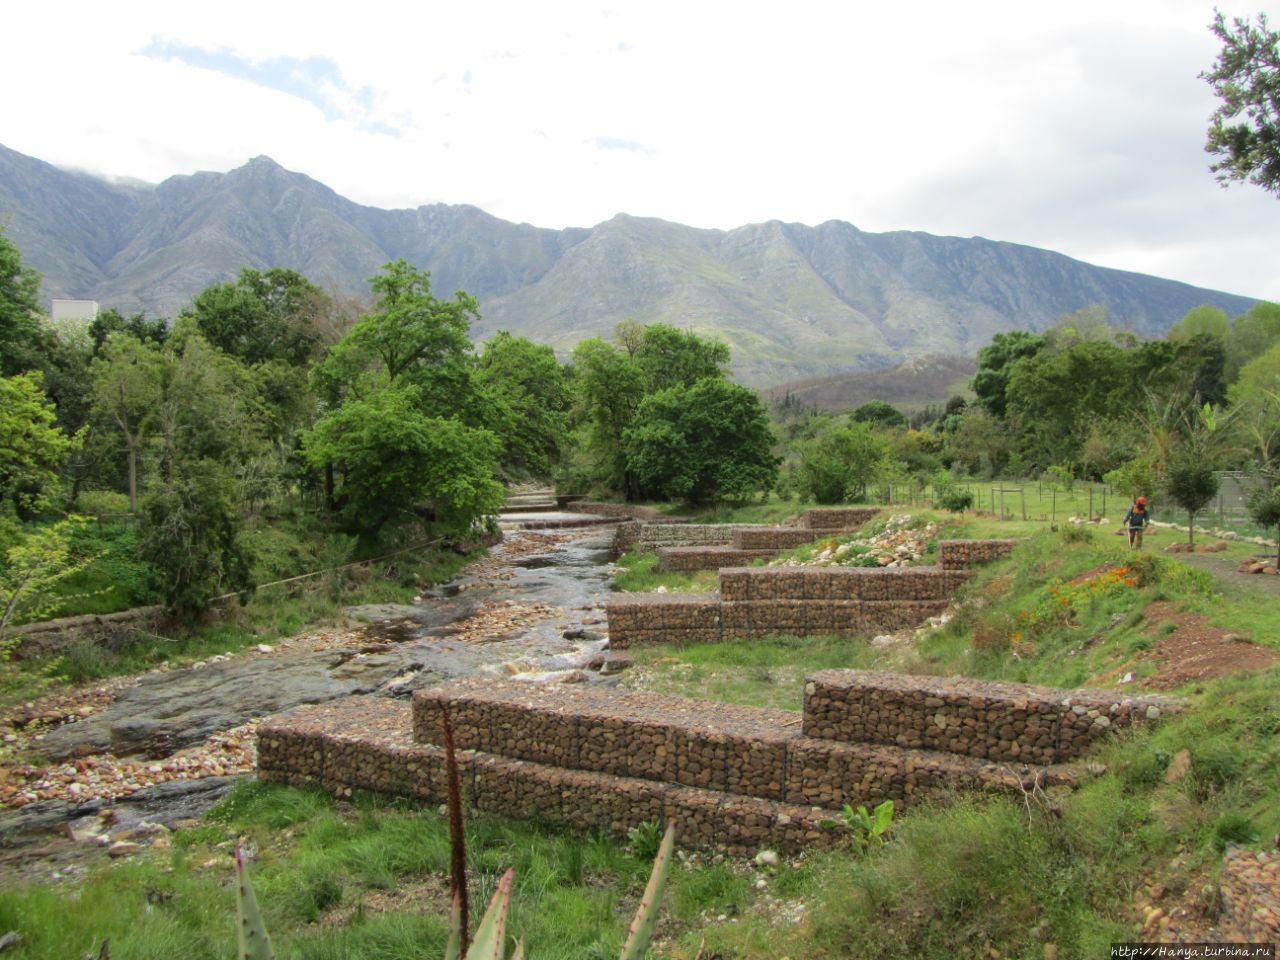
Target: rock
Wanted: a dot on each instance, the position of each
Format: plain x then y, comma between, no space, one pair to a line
1179,766
123,848
767,858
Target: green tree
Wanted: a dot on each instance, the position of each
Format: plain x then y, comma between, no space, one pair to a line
1252,334
1192,481
703,443
1052,394
609,388
668,357
393,462
20,330
879,413
1264,509
1086,325
410,335
189,534
110,320
612,380
995,366
1203,319
1244,131
838,466
31,568
527,400
276,315
126,394
1255,400
1189,370
979,444
32,447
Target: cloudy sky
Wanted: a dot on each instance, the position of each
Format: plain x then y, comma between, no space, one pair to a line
1077,128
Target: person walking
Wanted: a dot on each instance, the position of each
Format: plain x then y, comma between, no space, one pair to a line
1136,521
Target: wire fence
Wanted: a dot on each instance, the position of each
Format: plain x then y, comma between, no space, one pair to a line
1056,503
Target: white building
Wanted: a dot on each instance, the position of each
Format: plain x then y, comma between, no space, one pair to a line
74,310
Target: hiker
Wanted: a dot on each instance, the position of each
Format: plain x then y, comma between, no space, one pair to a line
1136,521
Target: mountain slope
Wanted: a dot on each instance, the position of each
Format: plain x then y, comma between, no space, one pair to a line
792,301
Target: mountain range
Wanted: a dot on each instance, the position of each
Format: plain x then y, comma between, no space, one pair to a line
792,301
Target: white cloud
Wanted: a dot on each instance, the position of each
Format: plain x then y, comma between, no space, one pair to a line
1077,129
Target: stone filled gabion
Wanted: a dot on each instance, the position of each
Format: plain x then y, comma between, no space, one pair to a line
835,519
756,602
962,554
737,778
1015,723
1250,886
707,558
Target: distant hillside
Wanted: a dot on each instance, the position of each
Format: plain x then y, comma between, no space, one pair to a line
912,385
792,301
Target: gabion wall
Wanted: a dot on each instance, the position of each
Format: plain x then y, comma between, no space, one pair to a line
688,559
1006,722
736,778
756,602
1250,886
962,554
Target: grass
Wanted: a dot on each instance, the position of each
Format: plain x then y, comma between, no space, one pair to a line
975,877
325,872
638,573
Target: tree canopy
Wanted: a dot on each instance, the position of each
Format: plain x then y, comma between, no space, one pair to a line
1244,131
20,331
703,443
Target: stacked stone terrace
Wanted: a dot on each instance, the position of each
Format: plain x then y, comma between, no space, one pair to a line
756,602
693,546
736,778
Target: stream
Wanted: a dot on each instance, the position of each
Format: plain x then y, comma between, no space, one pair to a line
532,609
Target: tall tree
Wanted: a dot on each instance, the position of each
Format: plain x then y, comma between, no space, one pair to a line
274,315
189,534
32,448
126,394
392,462
704,443
20,331
995,365
613,380
1252,334
1244,131
1203,319
668,357
409,335
527,398
609,387
1255,399
1191,481
402,435
838,466
110,320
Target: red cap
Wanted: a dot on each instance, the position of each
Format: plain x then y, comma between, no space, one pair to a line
1142,501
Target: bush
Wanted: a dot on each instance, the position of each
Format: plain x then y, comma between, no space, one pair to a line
955,500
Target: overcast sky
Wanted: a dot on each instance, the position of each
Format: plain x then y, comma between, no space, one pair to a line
1074,127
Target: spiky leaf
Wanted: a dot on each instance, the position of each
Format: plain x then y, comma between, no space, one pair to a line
254,944
646,918
488,941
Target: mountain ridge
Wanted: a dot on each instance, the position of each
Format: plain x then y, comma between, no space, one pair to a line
792,301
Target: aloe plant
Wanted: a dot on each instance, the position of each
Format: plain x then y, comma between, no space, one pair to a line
254,944
490,937
646,919
491,934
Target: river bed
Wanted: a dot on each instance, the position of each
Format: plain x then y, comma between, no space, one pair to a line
146,753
